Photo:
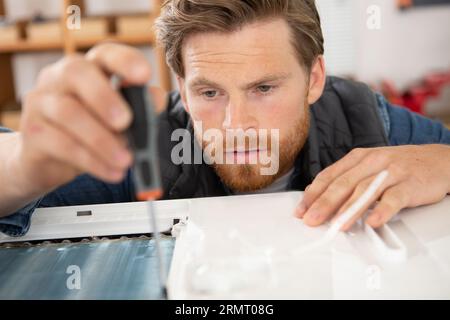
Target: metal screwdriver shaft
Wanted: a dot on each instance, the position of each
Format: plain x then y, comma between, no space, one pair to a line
142,136
158,249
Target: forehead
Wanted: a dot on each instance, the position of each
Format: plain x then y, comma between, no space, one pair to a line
263,46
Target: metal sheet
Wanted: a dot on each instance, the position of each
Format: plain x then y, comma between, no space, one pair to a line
111,269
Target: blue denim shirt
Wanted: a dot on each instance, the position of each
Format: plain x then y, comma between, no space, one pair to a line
402,127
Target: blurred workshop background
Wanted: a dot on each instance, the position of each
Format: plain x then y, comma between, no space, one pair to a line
399,47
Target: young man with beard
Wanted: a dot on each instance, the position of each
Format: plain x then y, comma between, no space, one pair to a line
240,65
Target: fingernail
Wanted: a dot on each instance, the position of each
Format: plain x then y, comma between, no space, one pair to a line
119,117
301,209
374,218
314,215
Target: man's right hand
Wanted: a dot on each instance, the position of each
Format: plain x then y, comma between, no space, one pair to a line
73,120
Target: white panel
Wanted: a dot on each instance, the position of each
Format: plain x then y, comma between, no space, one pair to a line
244,247
105,220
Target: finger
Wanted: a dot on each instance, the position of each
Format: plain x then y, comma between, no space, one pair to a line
324,178
69,115
127,62
301,208
392,201
76,76
341,188
159,98
64,148
390,181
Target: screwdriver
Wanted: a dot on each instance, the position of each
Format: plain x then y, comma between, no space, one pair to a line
143,139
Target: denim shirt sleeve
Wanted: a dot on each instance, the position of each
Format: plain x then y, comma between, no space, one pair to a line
404,127
82,190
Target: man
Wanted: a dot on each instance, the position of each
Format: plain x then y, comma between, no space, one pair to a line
240,65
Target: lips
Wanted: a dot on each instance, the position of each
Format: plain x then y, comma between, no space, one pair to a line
241,151
244,156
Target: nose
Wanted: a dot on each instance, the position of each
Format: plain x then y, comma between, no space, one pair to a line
238,115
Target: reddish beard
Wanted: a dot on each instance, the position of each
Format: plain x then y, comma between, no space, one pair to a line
248,177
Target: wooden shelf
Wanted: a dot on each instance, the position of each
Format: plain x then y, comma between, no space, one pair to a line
29,46
10,119
24,46
69,43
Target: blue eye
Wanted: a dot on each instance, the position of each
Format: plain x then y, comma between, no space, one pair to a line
210,94
265,88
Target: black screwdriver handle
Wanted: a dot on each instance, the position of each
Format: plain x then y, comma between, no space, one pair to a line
142,136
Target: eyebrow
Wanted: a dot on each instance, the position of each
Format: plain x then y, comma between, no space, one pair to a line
202,81
268,78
